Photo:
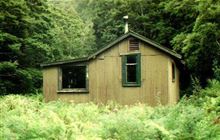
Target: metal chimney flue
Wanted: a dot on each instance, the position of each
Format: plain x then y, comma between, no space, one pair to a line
126,23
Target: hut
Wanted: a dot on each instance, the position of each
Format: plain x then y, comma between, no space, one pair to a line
132,69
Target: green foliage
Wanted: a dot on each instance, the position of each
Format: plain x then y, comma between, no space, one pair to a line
216,69
211,96
190,27
23,44
36,77
29,118
23,25
72,37
196,87
35,32
14,80
145,17
199,44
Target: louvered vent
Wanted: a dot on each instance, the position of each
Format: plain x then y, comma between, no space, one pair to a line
133,44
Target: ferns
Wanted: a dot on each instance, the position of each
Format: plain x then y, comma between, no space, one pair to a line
23,117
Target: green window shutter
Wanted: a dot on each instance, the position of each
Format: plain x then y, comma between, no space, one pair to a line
138,70
124,60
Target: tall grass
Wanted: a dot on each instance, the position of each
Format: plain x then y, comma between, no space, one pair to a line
23,117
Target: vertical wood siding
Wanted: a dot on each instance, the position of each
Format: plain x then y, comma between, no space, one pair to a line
105,79
50,83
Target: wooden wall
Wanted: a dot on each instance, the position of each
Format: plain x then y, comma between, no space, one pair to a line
105,79
50,86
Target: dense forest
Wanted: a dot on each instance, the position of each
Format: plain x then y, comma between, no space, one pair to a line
38,31
33,32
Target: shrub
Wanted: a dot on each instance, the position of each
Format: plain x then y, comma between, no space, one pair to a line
216,70
16,80
36,77
24,117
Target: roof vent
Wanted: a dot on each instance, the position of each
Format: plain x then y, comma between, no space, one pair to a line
133,44
126,23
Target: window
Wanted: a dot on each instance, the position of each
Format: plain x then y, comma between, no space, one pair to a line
73,77
133,44
131,71
173,72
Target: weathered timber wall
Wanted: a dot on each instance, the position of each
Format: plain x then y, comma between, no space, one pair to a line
105,79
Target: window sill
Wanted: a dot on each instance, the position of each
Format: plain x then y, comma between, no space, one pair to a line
131,85
75,91
130,53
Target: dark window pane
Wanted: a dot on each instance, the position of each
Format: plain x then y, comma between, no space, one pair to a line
74,77
131,59
131,73
173,72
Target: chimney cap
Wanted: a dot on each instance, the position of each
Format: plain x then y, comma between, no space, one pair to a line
125,17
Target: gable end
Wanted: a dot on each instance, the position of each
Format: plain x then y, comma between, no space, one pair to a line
129,34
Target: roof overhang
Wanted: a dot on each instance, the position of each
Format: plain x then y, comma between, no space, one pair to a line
63,62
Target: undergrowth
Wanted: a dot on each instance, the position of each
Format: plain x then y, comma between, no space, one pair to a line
197,117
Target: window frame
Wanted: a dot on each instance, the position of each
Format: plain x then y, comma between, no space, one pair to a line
72,90
125,83
173,71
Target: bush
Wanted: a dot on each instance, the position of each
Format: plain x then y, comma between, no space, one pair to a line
16,80
216,70
36,77
24,117
208,98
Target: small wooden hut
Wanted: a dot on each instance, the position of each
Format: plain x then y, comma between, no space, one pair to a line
129,70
